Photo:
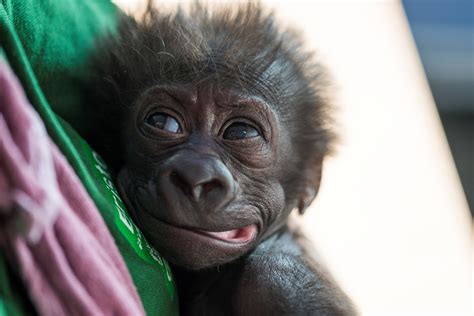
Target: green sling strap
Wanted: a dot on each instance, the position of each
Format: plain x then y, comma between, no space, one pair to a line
47,43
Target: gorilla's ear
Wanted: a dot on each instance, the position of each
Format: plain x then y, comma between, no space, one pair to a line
311,184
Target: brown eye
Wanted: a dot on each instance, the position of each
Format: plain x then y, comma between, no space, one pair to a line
238,131
165,122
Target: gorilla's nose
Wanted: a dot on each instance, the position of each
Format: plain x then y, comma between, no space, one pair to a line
204,180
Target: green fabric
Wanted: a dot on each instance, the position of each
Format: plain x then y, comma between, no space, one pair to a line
47,44
57,37
151,273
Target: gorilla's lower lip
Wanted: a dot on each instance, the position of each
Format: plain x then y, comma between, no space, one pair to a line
242,236
238,236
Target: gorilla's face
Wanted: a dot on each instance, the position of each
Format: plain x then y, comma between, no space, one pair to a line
202,172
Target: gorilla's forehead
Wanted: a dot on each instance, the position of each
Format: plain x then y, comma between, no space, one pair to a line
208,93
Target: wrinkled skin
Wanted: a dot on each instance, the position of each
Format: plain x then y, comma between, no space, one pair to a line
179,184
213,148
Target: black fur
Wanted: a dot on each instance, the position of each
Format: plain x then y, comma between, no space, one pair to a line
242,49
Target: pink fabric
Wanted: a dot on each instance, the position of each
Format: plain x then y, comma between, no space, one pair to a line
49,227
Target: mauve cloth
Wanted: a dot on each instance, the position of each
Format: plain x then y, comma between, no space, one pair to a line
50,229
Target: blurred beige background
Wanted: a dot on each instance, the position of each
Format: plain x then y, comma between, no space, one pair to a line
391,220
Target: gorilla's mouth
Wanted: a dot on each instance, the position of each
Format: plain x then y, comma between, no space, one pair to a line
236,236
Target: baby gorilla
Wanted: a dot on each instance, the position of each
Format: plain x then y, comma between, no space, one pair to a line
216,124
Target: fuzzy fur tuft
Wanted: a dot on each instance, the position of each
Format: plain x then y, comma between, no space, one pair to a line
239,47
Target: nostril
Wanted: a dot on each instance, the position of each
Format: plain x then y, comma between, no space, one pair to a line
180,183
205,188
200,191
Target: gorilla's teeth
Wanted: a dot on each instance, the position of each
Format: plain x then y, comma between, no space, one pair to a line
227,235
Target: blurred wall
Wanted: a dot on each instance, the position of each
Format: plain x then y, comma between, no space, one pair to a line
444,35
391,219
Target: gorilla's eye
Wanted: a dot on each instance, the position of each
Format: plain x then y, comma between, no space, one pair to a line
239,130
165,122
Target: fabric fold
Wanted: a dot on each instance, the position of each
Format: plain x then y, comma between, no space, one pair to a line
49,227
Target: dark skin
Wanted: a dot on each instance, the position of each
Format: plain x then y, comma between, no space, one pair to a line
222,124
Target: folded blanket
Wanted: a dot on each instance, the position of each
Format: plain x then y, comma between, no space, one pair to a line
49,227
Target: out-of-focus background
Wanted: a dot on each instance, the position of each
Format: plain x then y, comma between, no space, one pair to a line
444,35
392,220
